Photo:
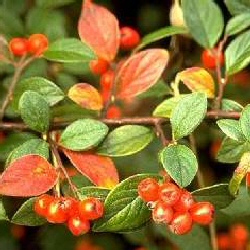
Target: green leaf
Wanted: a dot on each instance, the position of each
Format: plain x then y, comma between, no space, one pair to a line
188,114
237,6
218,195
238,53
12,141
237,24
160,34
165,108
83,134
53,3
34,111
205,26
3,214
231,150
245,122
232,129
27,216
230,105
180,163
97,192
33,146
239,173
126,140
47,89
124,210
69,50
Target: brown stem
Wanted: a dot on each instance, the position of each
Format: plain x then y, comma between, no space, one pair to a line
160,133
19,68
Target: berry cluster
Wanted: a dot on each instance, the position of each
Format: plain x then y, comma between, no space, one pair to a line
174,206
77,214
36,44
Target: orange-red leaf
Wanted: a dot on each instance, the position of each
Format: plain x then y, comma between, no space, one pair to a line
99,169
99,28
140,72
86,96
30,175
197,80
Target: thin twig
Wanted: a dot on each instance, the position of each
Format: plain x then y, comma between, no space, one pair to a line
160,133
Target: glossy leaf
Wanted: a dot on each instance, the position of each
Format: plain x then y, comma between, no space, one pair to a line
238,23
140,72
3,214
124,210
205,26
232,129
33,146
86,96
126,140
231,150
239,173
165,108
47,89
188,114
238,53
99,28
83,134
180,163
160,34
34,111
99,169
30,175
26,215
218,195
245,122
237,6
97,192
197,80
230,105
69,50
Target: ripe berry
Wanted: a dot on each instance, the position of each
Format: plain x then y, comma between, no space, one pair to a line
223,241
185,201
169,193
106,82
77,226
148,189
162,213
37,44
70,205
181,223
209,58
99,66
56,211
130,38
42,204
202,212
18,46
114,112
90,209
239,233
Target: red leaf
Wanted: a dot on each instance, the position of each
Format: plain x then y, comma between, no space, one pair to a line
99,169
140,72
86,96
30,175
99,28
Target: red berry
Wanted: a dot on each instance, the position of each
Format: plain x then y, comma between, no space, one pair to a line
18,46
162,213
130,38
42,204
169,193
185,201
56,211
209,58
77,226
202,212
114,112
106,82
70,205
37,44
99,66
90,209
223,241
181,223
148,189
239,233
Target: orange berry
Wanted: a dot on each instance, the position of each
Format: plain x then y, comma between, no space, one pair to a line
99,66
37,44
130,38
114,112
209,58
18,46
